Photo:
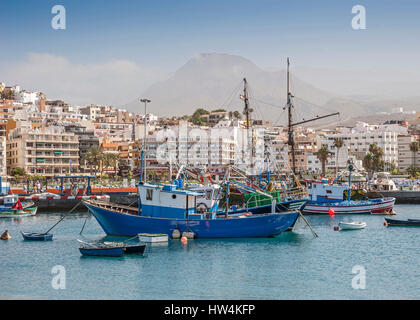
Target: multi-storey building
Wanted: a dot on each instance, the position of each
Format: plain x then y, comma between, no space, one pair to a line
407,158
44,151
3,158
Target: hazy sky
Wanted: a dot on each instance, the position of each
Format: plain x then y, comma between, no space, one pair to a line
125,45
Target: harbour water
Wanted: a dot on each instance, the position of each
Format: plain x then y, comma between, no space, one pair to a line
294,265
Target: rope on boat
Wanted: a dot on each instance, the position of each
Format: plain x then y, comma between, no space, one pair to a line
307,222
62,217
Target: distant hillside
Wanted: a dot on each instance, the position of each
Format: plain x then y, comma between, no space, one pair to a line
214,80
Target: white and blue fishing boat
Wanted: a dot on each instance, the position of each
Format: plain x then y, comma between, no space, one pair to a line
331,198
166,208
11,207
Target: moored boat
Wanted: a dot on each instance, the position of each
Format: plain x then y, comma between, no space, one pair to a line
36,236
354,225
103,250
163,209
328,197
402,223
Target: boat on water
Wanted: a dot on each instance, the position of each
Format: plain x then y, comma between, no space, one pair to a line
402,223
36,236
166,208
13,208
329,197
101,249
354,225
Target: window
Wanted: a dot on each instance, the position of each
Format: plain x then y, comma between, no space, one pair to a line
149,194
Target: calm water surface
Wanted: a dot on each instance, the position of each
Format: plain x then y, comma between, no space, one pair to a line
294,265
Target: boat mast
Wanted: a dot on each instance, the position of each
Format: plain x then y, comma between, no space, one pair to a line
247,112
290,126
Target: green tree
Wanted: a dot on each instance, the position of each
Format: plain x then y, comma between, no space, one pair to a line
413,171
338,144
18,172
93,158
323,154
414,148
196,117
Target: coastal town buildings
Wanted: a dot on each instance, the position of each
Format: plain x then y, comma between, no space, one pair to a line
52,137
43,151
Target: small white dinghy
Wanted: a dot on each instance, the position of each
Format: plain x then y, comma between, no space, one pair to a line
354,225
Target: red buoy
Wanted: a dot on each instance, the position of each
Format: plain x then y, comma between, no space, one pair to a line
336,228
385,224
184,239
331,211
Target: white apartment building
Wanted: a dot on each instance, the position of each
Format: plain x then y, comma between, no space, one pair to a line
45,151
197,146
358,139
406,158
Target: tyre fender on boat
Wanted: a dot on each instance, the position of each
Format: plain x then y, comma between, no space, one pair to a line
202,207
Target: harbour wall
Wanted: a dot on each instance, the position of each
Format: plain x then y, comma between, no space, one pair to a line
63,205
401,197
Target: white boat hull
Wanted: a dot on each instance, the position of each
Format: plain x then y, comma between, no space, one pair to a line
352,225
354,207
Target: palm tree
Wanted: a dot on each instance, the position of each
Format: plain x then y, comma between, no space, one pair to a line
368,163
338,144
111,160
414,148
93,157
323,154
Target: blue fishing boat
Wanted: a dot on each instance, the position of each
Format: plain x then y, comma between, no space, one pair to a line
331,198
402,223
36,236
101,250
166,208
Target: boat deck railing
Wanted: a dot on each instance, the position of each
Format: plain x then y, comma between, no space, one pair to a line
115,207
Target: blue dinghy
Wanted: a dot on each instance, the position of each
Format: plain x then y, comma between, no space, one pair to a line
36,236
101,250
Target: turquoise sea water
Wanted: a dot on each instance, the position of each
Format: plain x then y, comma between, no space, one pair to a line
294,265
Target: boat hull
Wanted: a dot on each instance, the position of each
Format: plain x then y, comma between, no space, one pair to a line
402,223
352,226
376,206
36,236
135,249
102,252
123,224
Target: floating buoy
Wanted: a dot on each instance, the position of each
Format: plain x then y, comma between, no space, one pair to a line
5,235
385,224
336,228
188,235
331,211
176,234
184,239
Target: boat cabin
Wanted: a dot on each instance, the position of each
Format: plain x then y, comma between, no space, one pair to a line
168,201
9,200
322,191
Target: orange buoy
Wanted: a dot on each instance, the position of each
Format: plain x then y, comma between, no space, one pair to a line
336,228
184,239
331,211
385,224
